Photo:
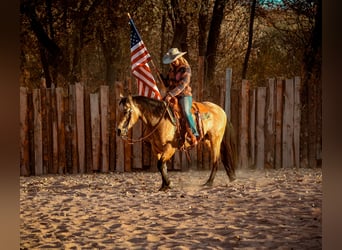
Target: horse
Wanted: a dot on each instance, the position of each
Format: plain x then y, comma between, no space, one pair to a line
163,135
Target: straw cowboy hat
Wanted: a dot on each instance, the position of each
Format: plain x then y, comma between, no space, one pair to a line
172,55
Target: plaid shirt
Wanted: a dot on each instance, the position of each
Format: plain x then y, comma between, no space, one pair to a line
179,81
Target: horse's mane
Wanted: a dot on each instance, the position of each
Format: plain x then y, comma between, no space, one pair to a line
151,105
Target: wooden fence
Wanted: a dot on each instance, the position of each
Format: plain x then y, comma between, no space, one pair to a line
73,131
268,124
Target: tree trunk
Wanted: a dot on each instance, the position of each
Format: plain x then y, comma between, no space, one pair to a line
311,94
250,40
213,39
180,27
203,27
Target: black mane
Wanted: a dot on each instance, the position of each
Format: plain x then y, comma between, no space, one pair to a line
154,106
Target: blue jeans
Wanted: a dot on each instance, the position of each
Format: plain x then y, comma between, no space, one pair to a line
186,103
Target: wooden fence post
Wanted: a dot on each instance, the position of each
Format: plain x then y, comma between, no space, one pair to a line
54,131
120,161
72,129
278,123
87,124
37,124
177,161
252,121
112,128
61,130
104,94
80,126
296,122
95,130
45,119
227,103
270,125
260,124
288,156
24,140
137,147
243,129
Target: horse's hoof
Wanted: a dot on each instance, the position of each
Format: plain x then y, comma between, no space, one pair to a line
232,178
208,184
164,188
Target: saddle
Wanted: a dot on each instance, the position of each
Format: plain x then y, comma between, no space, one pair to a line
178,118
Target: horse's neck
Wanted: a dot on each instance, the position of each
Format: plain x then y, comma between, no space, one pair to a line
149,118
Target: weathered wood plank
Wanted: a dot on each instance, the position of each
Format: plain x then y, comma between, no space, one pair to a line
287,143
146,156
278,123
120,161
31,128
79,94
73,129
24,139
227,90
270,125
95,130
259,128
46,135
251,130
61,130
37,122
104,102
243,147
296,121
87,124
112,128
235,113
177,161
54,131
137,147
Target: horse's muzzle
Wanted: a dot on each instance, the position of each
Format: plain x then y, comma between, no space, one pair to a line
121,132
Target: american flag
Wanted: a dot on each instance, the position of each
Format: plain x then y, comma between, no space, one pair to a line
140,69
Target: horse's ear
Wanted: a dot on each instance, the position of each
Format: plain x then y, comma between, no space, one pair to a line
130,99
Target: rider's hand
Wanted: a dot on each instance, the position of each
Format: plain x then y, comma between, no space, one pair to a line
167,98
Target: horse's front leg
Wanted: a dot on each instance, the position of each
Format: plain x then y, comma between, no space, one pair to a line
163,171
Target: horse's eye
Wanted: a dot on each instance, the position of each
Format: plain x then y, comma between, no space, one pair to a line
126,111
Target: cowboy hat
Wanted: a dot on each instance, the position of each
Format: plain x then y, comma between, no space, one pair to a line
172,55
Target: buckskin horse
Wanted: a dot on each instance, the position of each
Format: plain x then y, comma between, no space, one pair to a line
162,133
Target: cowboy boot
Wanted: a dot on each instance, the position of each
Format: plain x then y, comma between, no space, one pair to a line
193,139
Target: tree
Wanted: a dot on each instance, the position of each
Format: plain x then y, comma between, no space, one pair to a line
213,39
250,39
311,93
203,18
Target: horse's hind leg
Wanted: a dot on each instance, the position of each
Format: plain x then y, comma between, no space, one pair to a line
212,175
228,161
215,150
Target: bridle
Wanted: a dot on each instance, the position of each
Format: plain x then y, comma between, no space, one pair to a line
132,141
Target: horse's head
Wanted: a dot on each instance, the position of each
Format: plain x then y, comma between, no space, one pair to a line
129,115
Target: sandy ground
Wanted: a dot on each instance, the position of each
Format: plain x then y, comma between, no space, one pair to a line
277,209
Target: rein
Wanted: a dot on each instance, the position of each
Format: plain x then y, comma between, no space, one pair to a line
132,141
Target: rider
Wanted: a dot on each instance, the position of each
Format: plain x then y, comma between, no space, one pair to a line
178,83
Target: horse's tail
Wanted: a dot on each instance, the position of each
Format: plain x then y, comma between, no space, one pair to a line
229,151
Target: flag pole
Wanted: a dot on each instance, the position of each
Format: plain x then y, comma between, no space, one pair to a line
153,65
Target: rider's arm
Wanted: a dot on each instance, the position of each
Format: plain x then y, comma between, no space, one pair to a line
183,76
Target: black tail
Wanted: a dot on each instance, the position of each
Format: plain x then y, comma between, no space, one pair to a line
229,151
